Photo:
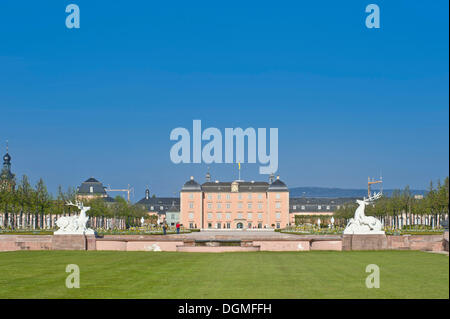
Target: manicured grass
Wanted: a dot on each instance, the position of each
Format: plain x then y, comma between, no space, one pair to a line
404,274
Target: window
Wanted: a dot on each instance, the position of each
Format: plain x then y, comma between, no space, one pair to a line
249,205
219,225
191,205
91,189
209,225
209,215
294,207
278,196
152,208
278,225
191,196
228,217
219,205
209,206
209,196
219,216
303,207
228,225
161,207
240,196
259,216
259,196
319,207
260,206
277,205
249,225
249,196
228,205
328,207
278,216
259,225
219,196
191,225
191,216
239,205
228,196
250,216
239,215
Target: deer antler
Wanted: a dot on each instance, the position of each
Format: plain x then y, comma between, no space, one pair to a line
374,197
77,204
71,204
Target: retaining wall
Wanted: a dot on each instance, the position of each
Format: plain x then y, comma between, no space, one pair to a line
174,243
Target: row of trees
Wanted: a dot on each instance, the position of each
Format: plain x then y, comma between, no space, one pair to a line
34,207
403,208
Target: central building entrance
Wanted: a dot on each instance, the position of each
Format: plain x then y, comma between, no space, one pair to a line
239,225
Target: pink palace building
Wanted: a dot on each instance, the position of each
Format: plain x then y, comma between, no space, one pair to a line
234,205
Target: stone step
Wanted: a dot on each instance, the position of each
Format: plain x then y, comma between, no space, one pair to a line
216,249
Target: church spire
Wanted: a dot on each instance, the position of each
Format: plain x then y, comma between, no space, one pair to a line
6,177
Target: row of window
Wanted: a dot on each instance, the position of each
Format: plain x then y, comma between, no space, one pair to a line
239,225
294,207
239,216
228,225
153,207
228,196
239,205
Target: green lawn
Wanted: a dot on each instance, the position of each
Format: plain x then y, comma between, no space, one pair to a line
404,274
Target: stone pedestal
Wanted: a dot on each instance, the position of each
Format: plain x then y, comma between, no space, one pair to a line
91,242
364,242
69,242
445,241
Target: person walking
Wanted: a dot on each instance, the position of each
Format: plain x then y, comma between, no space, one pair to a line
164,228
178,228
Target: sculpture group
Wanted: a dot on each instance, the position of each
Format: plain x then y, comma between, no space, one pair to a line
74,225
362,224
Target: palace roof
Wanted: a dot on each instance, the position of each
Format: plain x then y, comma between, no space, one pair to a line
97,187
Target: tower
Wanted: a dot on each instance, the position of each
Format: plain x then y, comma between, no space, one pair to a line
6,177
271,178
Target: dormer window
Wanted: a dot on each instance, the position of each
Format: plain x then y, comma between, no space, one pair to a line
91,189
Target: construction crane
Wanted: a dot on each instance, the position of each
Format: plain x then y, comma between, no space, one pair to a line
372,182
127,190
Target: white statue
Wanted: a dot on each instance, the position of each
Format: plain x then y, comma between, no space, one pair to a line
332,221
142,221
318,222
74,225
362,224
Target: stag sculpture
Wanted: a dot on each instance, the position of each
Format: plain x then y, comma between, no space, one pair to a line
362,224
74,225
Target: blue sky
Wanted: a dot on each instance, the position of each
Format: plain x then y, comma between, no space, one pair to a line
348,101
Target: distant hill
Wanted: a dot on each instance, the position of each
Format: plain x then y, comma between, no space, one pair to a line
339,192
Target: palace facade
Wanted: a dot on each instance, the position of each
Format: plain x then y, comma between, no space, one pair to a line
234,205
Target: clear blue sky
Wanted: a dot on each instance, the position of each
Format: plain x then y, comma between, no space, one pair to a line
348,101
